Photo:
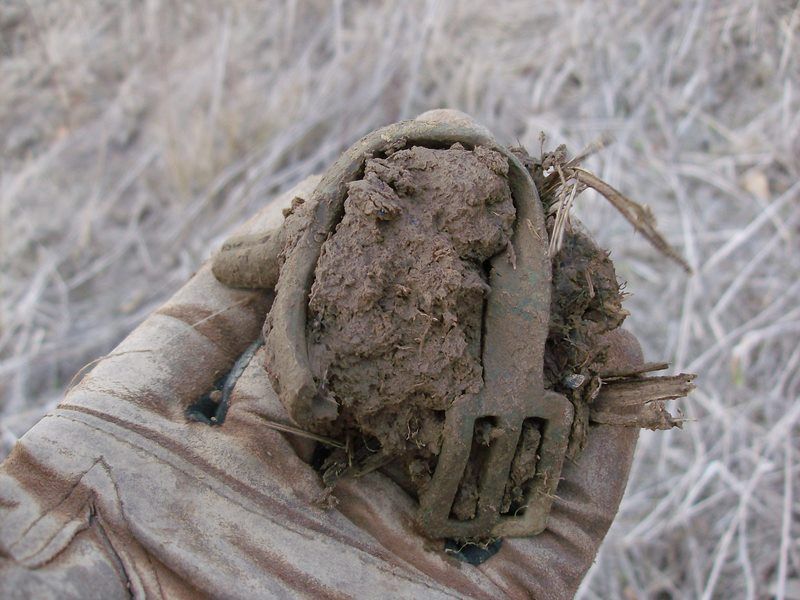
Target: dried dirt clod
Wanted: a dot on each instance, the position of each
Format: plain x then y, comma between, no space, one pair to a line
586,303
394,320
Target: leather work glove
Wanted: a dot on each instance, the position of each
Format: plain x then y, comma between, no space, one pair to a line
116,492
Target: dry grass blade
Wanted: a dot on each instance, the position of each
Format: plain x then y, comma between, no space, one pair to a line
645,368
654,419
635,391
282,427
561,222
371,464
637,215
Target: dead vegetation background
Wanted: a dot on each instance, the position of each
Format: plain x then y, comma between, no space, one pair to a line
135,134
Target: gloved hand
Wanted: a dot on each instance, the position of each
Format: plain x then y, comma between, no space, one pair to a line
117,492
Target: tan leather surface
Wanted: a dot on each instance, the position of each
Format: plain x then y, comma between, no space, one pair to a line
115,493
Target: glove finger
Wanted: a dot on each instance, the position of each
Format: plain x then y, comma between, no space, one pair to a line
249,259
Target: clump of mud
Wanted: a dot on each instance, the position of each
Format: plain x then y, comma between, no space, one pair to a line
585,304
394,319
